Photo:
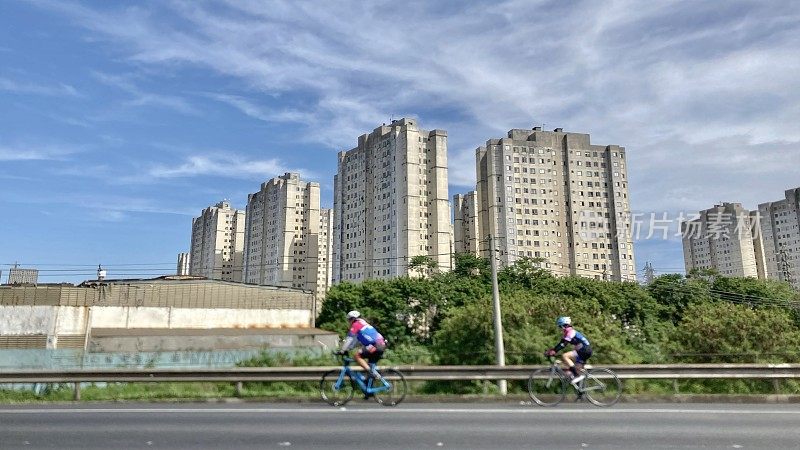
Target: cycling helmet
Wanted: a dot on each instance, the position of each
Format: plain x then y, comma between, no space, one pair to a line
562,321
353,315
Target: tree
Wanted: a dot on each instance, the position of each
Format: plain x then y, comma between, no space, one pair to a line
422,264
469,265
675,293
466,335
526,272
726,332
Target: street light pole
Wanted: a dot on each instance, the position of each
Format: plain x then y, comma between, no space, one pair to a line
499,349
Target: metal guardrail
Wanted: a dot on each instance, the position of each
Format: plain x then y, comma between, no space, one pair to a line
412,373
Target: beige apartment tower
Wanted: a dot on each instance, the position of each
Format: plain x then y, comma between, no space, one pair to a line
283,237
466,233
183,264
724,238
780,230
555,196
19,275
325,253
391,203
218,243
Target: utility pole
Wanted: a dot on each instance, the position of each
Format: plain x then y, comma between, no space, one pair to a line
500,353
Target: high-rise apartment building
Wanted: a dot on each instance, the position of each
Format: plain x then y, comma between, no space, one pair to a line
780,231
218,243
18,275
553,195
466,233
183,264
723,238
285,244
325,253
391,203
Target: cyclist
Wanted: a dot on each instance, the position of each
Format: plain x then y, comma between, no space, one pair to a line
582,348
372,342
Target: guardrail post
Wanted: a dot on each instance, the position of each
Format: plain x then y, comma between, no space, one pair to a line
76,393
239,388
776,384
675,386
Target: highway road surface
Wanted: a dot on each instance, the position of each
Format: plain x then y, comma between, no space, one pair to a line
408,426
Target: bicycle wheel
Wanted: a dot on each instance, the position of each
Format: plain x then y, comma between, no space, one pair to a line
329,391
602,387
397,388
547,387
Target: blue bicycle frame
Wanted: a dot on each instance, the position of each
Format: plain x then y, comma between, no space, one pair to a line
358,377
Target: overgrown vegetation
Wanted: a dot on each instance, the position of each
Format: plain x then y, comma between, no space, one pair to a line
702,317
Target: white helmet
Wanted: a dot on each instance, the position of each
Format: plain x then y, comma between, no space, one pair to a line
562,321
353,315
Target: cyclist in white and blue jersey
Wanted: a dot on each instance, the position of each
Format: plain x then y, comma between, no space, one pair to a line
582,349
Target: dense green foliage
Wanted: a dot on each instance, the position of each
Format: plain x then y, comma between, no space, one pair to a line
447,317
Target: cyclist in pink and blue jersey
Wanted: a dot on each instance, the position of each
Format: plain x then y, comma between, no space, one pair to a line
372,342
582,349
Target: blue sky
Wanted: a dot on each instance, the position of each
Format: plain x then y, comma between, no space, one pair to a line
120,121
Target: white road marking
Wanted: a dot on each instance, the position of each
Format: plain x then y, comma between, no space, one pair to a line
400,410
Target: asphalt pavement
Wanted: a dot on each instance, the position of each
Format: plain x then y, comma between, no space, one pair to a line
407,426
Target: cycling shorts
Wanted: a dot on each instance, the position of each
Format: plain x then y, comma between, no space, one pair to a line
372,352
582,354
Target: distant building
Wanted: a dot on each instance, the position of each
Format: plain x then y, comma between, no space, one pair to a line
780,230
183,264
18,275
325,253
723,238
285,243
391,203
466,232
217,247
555,196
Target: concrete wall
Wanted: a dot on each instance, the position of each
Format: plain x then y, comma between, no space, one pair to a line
175,318
324,341
159,293
30,320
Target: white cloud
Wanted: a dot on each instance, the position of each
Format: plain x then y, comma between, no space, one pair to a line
261,113
225,165
55,90
100,205
142,98
36,153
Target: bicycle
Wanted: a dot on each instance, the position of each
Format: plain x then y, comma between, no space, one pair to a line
548,386
337,386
